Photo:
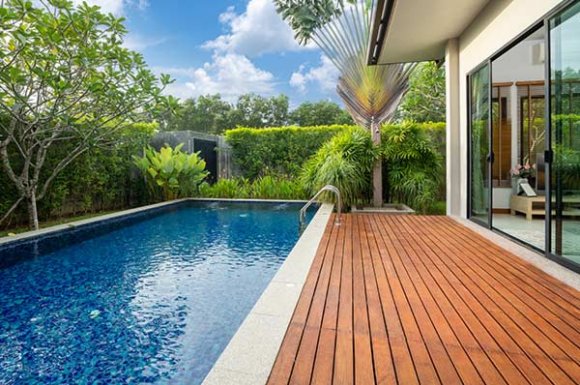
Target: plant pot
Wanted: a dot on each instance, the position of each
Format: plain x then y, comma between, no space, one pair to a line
516,185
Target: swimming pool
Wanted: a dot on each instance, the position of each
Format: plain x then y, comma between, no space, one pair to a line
151,300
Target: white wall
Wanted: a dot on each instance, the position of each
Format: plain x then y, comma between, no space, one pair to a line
499,23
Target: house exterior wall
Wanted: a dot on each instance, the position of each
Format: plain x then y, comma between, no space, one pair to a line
498,24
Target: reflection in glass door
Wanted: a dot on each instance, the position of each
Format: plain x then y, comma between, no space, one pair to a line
518,144
479,145
565,132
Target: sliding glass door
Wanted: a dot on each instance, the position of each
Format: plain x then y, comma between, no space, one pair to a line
518,140
524,142
565,132
479,145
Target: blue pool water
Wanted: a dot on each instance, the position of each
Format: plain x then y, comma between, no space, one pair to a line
153,302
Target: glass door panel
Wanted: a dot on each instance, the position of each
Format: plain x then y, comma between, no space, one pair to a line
565,132
518,132
479,145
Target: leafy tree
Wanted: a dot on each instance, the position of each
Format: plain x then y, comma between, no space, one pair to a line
209,114
257,111
213,115
65,77
172,171
305,17
425,100
318,114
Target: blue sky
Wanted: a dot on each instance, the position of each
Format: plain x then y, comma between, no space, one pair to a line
229,47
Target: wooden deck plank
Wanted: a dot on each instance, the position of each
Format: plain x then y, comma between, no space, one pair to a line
304,362
382,357
530,297
324,361
515,341
344,352
456,367
363,363
538,312
414,299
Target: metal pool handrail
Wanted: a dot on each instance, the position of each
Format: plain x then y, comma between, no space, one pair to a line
330,188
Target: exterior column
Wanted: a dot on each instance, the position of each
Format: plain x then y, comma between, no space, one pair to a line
455,197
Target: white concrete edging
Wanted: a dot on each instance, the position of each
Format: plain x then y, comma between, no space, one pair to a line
123,213
251,353
82,222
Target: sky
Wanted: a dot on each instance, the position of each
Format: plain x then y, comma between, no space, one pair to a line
230,47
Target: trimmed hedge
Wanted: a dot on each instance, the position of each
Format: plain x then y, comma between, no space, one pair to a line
277,151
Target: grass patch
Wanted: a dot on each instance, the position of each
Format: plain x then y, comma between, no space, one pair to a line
53,222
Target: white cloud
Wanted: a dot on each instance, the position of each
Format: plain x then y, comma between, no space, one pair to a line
137,42
230,75
257,31
325,76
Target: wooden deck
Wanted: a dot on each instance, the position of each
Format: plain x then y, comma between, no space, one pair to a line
424,300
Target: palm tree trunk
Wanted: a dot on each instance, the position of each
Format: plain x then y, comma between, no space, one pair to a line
377,168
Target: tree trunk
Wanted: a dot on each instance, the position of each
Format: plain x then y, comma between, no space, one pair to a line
377,168
32,211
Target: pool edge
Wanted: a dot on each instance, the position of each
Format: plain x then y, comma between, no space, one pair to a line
27,235
250,355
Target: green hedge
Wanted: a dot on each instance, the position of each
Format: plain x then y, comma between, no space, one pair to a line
279,151
100,179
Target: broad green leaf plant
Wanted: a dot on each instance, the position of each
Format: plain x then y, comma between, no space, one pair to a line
172,172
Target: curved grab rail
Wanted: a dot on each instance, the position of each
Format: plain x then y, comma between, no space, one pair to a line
330,188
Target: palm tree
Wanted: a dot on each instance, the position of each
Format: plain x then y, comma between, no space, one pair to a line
341,29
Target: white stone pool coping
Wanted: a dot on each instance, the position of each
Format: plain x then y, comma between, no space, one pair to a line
250,354
118,214
82,222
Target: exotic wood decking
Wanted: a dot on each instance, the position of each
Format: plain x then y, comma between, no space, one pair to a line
424,300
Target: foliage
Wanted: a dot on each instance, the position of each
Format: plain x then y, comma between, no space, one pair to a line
413,165
213,115
567,167
233,188
371,94
173,172
280,151
267,187
99,179
209,114
257,111
65,77
346,161
425,100
318,114
307,16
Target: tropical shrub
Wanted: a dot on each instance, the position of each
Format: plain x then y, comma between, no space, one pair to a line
413,165
172,172
267,187
346,161
233,188
281,151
